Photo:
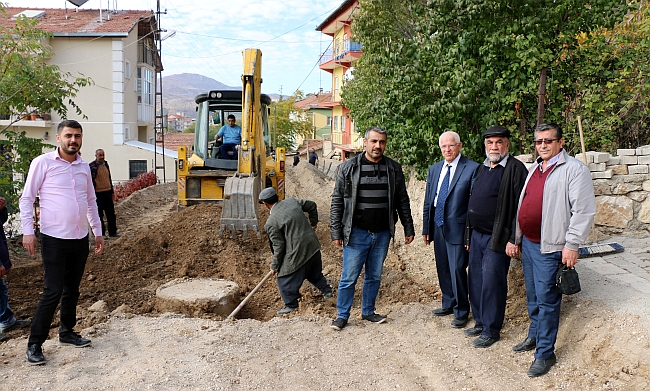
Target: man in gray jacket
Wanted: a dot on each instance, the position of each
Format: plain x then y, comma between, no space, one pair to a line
369,195
295,247
556,210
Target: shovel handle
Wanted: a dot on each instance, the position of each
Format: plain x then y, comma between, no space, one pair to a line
239,307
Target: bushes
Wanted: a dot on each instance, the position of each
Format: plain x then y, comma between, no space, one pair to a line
125,189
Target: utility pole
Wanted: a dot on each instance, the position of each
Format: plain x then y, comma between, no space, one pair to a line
158,101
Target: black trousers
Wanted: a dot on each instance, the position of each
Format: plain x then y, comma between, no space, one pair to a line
105,205
64,261
311,271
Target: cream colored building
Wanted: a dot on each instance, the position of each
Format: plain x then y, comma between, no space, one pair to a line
117,50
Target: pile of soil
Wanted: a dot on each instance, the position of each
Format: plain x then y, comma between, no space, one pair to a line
160,242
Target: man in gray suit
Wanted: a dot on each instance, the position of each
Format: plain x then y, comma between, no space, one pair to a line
445,211
295,247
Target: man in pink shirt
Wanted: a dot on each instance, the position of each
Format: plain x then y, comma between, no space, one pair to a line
67,202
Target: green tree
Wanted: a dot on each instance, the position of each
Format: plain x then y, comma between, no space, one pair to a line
28,85
288,121
464,66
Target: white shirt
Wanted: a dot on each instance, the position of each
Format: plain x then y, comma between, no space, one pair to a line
453,164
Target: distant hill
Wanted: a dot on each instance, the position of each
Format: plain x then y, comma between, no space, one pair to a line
180,90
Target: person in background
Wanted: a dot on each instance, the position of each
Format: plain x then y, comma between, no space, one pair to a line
313,157
231,136
103,184
296,159
68,205
8,321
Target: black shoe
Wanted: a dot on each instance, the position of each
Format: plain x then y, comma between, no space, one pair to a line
540,367
528,344
459,323
115,235
73,339
374,318
35,355
3,336
339,323
484,342
442,311
328,294
473,332
19,324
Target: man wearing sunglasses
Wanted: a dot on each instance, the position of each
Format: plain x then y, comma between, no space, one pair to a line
556,210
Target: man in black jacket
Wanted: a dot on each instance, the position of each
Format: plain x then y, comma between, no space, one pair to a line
369,194
101,174
490,234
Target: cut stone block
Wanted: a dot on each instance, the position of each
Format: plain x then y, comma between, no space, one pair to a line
590,157
640,169
629,160
643,150
601,157
626,152
614,211
607,174
195,297
619,169
613,160
596,167
644,160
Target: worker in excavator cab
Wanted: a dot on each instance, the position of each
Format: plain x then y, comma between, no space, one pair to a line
230,134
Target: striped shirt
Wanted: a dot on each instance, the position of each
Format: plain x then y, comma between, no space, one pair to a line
371,209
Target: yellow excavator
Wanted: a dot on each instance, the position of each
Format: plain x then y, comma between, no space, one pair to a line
208,177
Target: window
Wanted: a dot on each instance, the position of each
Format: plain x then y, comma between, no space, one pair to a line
127,69
145,86
342,123
329,120
336,122
137,167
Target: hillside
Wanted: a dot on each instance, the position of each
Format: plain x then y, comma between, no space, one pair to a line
180,90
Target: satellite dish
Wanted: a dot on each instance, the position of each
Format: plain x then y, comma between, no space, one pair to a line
78,3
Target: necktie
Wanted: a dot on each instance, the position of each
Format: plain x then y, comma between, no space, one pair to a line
439,215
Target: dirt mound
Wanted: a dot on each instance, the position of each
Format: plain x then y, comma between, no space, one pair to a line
160,243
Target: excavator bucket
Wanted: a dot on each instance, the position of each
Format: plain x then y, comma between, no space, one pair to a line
239,212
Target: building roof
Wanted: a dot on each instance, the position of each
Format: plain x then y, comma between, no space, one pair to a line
175,140
343,14
315,101
80,22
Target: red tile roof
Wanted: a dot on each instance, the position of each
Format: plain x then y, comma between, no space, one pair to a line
84,22
315,101
175,140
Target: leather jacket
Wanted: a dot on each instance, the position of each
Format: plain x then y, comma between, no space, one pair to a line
345,195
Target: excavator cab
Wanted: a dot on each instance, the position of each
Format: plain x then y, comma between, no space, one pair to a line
206,177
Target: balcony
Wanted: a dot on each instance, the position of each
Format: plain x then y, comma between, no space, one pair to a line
342,55
30,121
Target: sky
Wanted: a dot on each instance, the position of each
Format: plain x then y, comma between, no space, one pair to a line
211,34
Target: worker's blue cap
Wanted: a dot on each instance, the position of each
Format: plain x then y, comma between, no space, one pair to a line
268,195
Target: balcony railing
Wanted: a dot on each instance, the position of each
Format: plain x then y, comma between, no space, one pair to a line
339,52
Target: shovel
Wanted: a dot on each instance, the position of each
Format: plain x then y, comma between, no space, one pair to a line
239,307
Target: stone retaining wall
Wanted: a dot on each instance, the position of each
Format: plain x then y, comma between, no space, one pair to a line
622,185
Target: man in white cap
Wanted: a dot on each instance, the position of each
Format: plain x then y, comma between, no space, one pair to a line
295,247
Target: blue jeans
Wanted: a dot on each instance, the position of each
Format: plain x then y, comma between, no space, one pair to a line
6,315
363,249
542,299
488,284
